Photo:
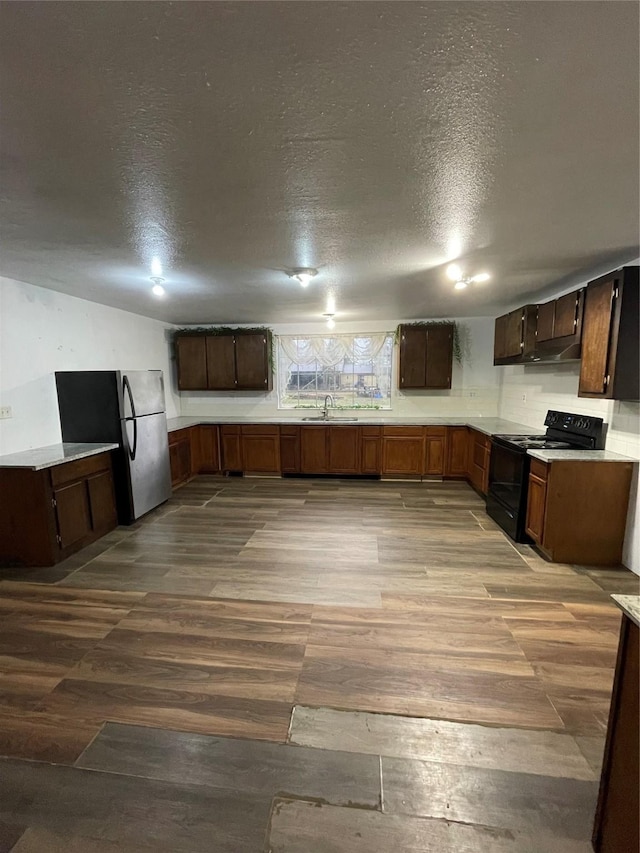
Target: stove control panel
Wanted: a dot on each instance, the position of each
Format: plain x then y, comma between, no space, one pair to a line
577,425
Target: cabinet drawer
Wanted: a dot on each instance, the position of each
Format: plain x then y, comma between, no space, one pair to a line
374,431
539,469
230,429
432,430
289,430
259,429
409,431
81,468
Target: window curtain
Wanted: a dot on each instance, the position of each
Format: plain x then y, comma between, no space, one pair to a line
331,350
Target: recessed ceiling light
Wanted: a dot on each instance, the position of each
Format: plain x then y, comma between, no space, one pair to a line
303,275
158,290
331,323
460,285
454,272
482,276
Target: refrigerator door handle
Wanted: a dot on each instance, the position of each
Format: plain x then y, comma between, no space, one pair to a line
132,452
126,387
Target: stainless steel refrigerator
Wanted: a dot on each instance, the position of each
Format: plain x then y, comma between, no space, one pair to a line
128,409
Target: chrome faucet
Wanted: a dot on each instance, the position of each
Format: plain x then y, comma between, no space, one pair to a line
325,412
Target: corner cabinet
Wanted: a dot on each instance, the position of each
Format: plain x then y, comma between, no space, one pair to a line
598,494
610,352
49,514
234,361
426,356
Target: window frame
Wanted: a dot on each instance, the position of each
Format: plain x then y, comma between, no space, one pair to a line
384,403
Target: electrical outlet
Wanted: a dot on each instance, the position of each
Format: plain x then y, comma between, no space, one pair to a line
5,412
473,393
524,398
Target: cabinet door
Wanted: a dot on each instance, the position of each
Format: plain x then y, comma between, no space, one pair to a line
261,449
180,461
73,515
252,362
290,449
402,455
344,450
191,354
566,315
457,452
370,450
435,450
221,363
596,337
546,318
313,449
513,334
499,338
413,357
439,356
231,448
209,461
102,501
536,501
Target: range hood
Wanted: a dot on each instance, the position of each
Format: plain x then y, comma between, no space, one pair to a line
559,349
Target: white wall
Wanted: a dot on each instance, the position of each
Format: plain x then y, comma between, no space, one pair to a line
475,383
527,391
42,331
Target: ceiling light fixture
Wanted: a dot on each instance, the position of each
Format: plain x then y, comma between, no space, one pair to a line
156,267
158,289
331,323
454,272
303,275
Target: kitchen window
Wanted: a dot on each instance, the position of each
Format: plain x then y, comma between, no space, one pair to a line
354,369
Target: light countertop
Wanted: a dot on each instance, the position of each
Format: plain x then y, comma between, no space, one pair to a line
54,454
579,455
630,606
489,426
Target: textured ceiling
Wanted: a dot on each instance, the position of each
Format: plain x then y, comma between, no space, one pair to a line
374,141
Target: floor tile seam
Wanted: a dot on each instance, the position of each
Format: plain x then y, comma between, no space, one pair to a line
534,777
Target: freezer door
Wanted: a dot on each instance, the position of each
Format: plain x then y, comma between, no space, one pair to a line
142,393
147,455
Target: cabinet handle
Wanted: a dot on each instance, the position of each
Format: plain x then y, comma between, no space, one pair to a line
606,380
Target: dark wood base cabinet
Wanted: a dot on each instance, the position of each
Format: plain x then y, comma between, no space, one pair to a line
617,823
577,510
47,515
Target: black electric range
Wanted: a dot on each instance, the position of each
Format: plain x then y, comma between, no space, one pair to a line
509,464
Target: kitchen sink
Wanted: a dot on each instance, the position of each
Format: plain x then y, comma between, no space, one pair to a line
330,420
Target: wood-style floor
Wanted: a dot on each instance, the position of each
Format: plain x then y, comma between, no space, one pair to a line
161,662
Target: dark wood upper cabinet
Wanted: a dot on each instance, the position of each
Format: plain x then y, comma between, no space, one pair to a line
567,314
234,361
426,356
515,336
611,327
252,361
221,363
191,354
546,320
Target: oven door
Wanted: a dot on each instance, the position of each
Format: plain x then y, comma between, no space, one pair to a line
507,494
